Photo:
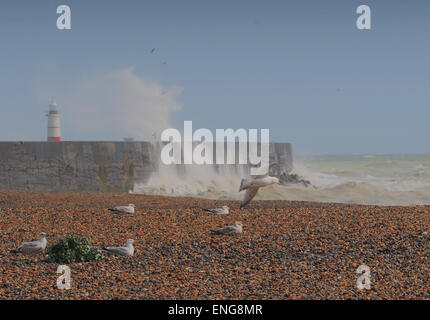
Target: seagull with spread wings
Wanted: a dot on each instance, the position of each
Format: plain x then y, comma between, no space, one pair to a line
252,185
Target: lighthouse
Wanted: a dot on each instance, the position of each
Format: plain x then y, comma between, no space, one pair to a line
54,131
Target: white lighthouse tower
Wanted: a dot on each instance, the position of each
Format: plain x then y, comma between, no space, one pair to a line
54,130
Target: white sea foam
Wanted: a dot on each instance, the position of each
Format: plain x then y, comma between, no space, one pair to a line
375,179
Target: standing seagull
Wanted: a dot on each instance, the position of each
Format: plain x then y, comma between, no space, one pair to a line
124,209
35,246
253,184
222,210
230,230
128,250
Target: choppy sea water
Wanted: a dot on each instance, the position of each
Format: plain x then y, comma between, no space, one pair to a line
359,179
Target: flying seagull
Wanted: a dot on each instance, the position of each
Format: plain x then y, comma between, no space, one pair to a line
153,49
254,183
222,210
230,230
124,209
34,246
128,250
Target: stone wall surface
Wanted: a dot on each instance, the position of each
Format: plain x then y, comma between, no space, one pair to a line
89,166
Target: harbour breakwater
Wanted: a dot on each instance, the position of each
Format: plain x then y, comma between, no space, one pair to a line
74,166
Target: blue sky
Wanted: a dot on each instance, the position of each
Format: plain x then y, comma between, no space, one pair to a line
238,64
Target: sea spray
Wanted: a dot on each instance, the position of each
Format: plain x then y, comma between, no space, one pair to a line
212,181
375,180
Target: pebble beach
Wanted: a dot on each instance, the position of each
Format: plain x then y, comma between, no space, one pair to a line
287,250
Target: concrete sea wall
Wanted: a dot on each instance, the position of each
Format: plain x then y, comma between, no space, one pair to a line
90,166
